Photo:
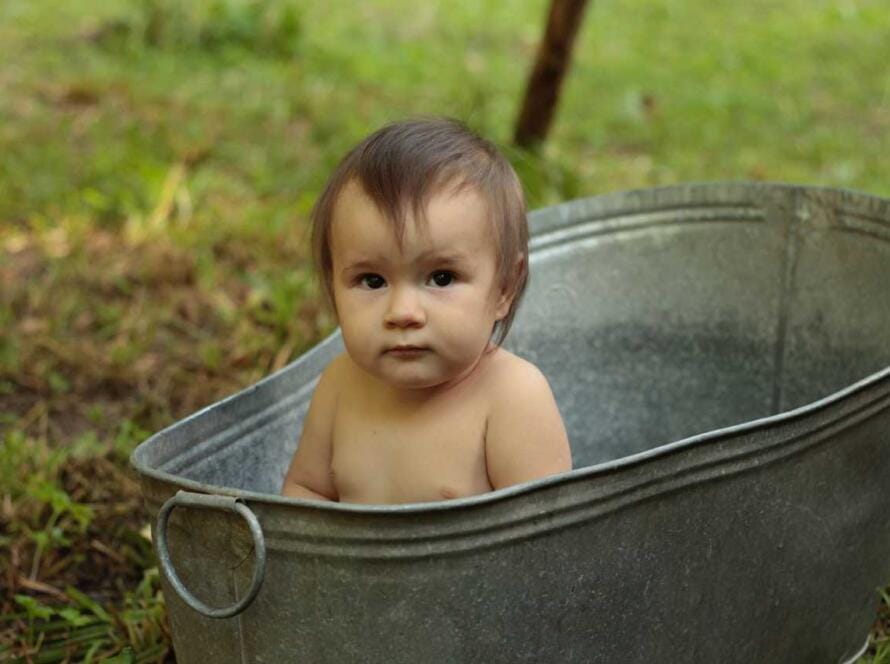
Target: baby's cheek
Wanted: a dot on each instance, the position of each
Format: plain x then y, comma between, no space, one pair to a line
354,338
466,340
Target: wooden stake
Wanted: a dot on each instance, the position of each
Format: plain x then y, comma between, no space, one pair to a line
551,65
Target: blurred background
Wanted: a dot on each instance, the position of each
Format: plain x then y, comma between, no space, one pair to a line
158,161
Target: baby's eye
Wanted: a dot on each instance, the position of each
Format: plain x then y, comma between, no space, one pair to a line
441,278
372,281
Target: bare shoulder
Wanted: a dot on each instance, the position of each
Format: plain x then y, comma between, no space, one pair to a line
525,435
513,377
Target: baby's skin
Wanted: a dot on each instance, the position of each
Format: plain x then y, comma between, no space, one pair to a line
422,407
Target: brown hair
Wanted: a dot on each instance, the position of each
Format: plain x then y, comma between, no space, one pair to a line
402,165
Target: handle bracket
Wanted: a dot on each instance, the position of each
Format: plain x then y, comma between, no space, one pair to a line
214,502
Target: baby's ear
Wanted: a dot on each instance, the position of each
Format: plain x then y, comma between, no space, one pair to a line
507,292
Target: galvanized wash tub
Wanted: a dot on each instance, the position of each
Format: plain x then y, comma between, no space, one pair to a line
721,356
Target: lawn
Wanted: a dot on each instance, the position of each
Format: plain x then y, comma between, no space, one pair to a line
158,161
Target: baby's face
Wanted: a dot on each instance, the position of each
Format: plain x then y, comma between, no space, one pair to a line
421,316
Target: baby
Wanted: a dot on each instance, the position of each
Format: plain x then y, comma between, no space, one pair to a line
421,241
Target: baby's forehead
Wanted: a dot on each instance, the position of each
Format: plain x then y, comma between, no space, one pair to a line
455,222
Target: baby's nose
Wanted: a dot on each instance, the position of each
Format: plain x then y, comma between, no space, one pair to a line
405,309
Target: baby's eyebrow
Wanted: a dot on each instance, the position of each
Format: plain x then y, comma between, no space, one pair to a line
363,264
444,256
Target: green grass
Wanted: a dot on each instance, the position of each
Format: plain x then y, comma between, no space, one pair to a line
158,160
70,518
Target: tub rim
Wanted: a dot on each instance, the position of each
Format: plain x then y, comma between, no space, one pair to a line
498,495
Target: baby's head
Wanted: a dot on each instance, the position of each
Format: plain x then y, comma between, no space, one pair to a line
403,177
402,165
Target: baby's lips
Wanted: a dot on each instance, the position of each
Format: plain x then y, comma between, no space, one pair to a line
406,348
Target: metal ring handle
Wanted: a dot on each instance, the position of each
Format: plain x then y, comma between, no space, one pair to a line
226,504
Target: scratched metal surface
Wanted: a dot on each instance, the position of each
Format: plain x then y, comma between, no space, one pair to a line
721,356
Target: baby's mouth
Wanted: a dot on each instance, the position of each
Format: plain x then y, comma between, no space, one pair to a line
406,350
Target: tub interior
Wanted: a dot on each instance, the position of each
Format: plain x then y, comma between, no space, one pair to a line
686,319
656,315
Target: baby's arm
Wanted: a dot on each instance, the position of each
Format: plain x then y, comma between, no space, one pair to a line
309,475
525,437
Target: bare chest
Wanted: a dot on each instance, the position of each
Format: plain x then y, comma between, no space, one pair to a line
385,454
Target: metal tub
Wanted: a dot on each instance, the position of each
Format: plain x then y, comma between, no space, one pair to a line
721,356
